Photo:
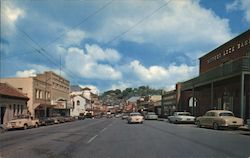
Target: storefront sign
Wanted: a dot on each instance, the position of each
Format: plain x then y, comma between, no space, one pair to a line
229,51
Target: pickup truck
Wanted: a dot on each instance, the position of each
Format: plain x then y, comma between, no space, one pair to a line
22,121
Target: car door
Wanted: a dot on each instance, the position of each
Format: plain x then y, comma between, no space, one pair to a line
205,119
211,119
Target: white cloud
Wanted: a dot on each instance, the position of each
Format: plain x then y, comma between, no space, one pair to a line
181,25
87,66
26,73
120,85
99,54
10,14
232,6
74,37
37,69
160,76
243,5
93,88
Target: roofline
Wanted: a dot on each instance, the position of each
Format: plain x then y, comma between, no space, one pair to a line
237,36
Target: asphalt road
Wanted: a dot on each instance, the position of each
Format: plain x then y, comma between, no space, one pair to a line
114,138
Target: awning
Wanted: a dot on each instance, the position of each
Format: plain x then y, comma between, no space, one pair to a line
42,106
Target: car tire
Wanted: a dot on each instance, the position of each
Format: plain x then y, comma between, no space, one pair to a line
25,126
198,124
36,125
169,121
215,126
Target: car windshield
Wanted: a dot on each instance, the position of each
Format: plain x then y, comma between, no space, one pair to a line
183,114
135,114
151,113
226,114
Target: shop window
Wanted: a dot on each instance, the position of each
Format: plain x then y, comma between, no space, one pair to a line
37,94
40,94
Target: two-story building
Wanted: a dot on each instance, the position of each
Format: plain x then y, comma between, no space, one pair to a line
48,93
13,103
223,81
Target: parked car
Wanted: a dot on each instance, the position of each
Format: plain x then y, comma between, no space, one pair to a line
89,115
218,119
58,119
44,121
22,121
125,116
181,117
81,116
151,116
68,118
135,117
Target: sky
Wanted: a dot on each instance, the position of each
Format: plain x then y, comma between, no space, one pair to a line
115,44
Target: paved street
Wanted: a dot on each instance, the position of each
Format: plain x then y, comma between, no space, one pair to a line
113,138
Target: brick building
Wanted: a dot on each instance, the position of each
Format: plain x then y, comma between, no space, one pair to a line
223,82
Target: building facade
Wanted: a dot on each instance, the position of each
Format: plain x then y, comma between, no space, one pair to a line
169,104
223,82
48,93
78,105
13,103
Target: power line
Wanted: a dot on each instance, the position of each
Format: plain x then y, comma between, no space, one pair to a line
81,22
139,22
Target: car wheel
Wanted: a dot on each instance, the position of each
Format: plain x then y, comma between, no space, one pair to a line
169,121
215,126
25,127
198,124
36,125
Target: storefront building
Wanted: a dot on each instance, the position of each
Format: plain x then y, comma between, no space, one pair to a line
13,103
223,82
48,93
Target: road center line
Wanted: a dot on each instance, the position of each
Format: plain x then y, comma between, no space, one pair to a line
103,129
91,139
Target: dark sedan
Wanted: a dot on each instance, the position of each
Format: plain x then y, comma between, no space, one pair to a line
44,121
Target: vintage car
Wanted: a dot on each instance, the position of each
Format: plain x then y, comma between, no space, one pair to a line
22,121
151,116
218,119
125,116
135,117
181,117
44,121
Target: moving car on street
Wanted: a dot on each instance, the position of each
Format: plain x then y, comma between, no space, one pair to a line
22,121
219,119
181,117
135,117
151,116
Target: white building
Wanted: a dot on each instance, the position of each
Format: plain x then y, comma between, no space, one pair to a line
80,104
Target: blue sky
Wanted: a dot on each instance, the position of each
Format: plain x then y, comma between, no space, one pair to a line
109,44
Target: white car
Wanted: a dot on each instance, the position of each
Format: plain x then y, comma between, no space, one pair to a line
22,121
135,117
181,117
151,116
